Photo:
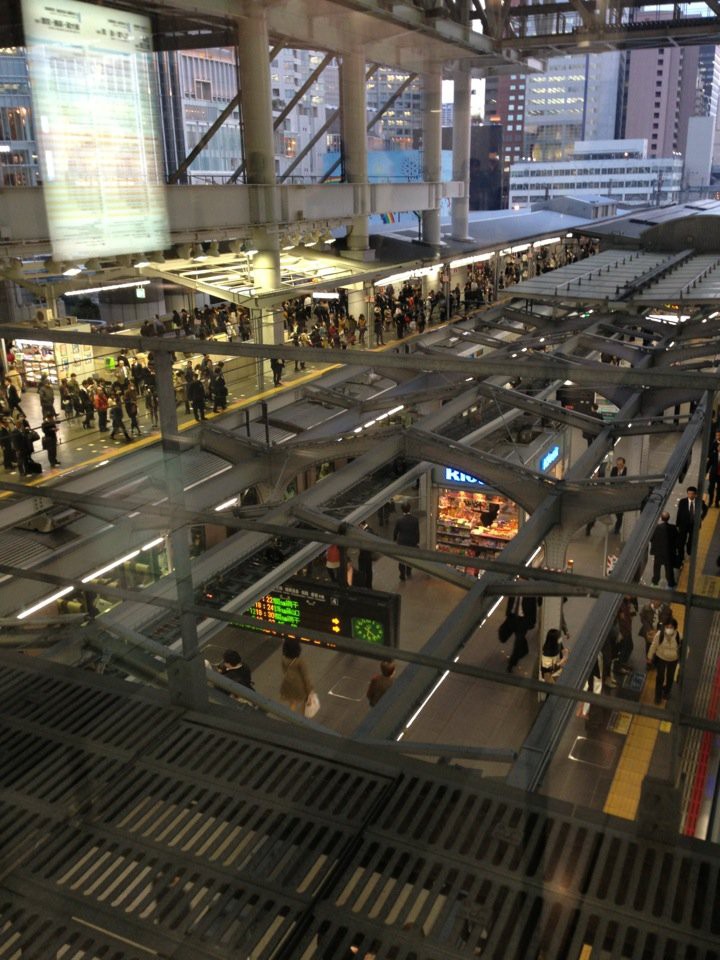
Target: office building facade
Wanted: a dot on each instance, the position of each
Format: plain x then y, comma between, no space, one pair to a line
621,169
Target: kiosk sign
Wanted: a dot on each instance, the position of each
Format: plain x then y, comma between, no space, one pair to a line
452,475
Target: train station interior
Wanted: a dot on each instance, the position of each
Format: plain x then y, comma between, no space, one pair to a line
458,477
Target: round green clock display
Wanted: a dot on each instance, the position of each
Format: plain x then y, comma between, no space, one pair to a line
371,631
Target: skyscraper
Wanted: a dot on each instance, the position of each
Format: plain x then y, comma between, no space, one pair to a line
18,150
660,96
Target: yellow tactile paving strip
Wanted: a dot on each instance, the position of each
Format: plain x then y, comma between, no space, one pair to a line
624,795
110,453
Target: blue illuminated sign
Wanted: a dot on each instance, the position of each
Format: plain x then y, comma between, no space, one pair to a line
549,458
457,476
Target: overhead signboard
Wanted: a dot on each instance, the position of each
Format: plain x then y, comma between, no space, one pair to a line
369,615
95,109
452,476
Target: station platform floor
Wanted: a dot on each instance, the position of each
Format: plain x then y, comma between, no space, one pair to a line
80,449
600,768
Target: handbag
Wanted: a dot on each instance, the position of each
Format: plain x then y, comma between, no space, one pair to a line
34,436
312,704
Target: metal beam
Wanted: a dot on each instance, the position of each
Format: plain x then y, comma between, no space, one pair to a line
205,139
586,13
291,103
478,13
321,132
213,129
541,408
526,487
545,734
532,368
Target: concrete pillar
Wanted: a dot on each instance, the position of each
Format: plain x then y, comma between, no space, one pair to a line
186,675
353,117
259,141
256,97
432,126
431,281
357,301
575,446
461,151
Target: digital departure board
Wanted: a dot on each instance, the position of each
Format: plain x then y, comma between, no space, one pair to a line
367,615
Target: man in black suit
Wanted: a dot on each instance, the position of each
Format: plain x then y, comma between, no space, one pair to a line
520,616
664,549
685,520
407,534
619,470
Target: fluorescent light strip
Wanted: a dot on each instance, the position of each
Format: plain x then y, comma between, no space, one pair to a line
109,567
205,479
226,504
44,603
110,286
153,543
466,261
444,677
422,706
407,275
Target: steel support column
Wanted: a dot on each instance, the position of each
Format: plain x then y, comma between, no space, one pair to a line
291,104
256,93
320,133
186,674
371,123
353,117
461,151
432,126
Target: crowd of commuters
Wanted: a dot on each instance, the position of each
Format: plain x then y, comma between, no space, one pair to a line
111,401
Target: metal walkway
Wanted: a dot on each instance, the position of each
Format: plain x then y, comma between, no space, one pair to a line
131,829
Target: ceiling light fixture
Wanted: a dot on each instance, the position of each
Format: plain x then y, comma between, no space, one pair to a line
44,603
109,286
